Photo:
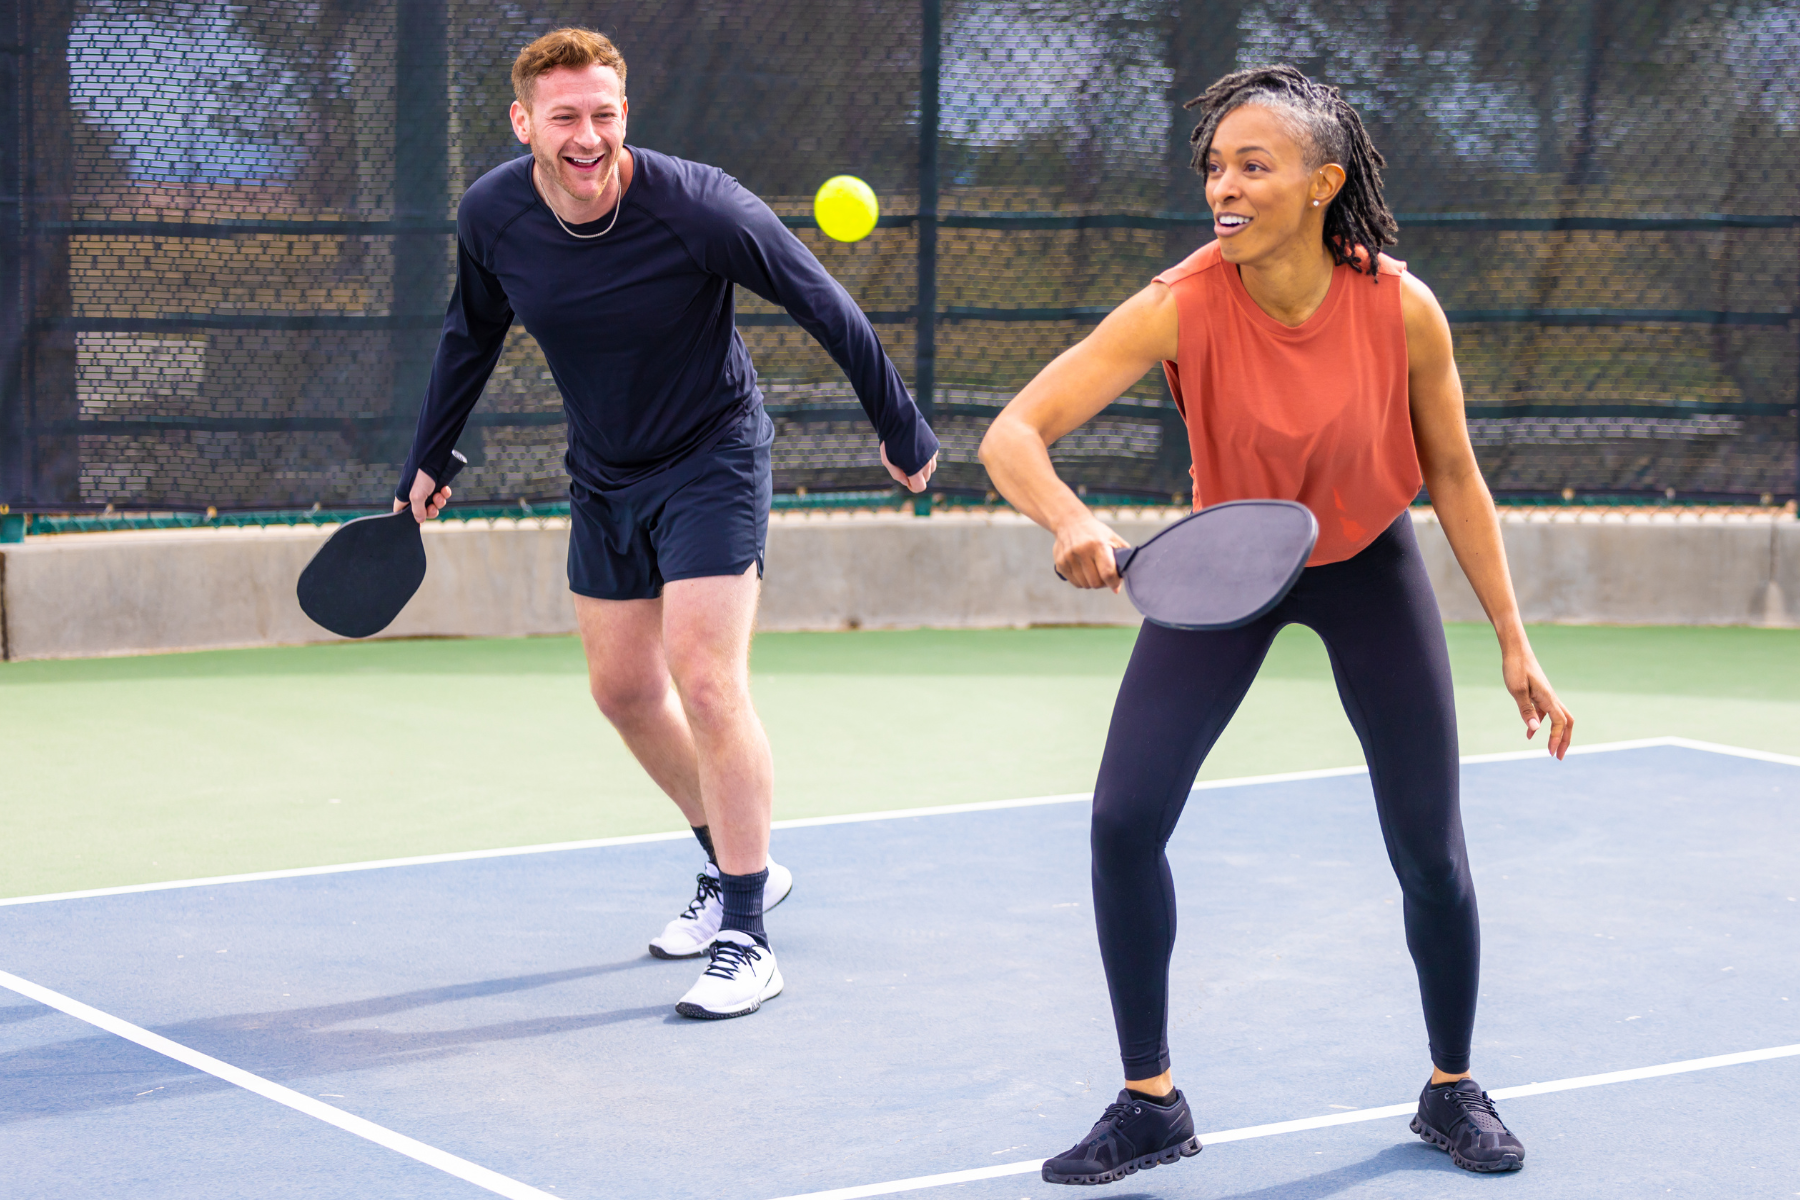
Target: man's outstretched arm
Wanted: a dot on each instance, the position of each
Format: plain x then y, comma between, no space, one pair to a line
753,248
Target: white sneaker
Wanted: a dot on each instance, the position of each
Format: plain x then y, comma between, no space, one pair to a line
741,976
688,935
779,884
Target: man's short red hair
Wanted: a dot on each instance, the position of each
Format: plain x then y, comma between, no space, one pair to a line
570,47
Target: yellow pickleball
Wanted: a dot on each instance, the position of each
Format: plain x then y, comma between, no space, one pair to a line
846,208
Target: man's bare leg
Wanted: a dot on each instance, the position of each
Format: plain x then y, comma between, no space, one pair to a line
673,677
706,629
628,676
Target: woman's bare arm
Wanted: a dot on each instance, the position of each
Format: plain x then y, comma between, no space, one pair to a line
1067,393
1465,509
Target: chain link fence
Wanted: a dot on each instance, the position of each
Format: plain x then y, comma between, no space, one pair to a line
226,230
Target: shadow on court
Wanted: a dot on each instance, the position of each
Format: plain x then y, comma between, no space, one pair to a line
287,1046
1415,1156
945,1007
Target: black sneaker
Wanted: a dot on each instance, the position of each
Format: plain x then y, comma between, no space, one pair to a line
1132,1135
1460,1118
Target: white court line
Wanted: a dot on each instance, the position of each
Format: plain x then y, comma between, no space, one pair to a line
922,1182
853,818
302,872
1736,751
431,1156
1596,748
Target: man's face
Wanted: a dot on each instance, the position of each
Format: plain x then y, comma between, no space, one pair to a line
575,128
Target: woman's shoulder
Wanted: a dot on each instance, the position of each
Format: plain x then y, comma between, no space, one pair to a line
1193,266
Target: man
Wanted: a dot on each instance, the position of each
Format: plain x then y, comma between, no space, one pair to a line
621,262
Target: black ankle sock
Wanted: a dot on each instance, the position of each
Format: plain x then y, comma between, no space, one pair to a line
703,835
1159,1101
743,899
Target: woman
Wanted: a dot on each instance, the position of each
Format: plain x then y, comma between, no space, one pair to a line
1308,366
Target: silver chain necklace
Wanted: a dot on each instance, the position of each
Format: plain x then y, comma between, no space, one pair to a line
586,237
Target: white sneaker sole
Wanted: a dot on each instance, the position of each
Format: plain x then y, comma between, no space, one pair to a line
770,990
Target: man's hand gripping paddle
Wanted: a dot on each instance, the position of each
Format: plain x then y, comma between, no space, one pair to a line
360,579
1222,567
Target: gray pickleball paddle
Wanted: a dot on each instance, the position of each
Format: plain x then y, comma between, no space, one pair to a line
1221,567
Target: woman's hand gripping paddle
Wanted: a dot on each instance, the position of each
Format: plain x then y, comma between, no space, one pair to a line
360,579
1222,567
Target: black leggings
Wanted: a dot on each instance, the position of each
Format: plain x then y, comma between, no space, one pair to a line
1379,620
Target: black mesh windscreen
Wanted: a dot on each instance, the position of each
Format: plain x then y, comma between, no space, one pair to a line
227,237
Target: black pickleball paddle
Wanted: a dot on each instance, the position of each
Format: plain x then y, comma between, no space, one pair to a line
360,579
1221,567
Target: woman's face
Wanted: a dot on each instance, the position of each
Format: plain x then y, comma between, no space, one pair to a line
1259,187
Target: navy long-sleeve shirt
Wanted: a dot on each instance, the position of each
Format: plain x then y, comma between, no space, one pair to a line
639,326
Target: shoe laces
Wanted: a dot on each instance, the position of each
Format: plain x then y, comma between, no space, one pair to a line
1116,1111
729,958
1479,1110
706,892
1115,1114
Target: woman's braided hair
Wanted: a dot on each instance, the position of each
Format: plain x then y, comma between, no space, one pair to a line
1329,130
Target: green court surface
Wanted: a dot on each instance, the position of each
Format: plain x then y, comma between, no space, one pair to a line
132,770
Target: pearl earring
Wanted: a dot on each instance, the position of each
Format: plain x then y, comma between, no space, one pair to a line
1315,204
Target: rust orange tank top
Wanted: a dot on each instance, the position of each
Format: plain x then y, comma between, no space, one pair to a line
1316,413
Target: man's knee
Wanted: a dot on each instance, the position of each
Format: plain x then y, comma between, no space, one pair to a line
626,700
711,672
713,694
622,641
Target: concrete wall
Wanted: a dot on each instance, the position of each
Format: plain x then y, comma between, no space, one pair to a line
1642,568
93,594
76,595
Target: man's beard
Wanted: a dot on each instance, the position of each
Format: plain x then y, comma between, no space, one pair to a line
551,168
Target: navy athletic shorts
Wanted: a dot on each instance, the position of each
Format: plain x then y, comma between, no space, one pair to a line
706,515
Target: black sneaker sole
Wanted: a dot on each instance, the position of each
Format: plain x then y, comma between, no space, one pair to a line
659,952
1171,1154
1508,1162
705,1014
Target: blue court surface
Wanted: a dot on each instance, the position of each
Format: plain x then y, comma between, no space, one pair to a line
945,1011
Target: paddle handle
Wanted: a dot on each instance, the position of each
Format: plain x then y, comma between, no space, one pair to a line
1121,560
457,462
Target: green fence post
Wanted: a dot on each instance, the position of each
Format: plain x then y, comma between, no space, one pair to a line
421,199
15,446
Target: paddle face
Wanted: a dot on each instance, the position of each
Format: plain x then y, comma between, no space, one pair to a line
1222,567
364,574
360,579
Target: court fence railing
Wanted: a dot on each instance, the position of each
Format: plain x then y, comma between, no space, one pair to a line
16,526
